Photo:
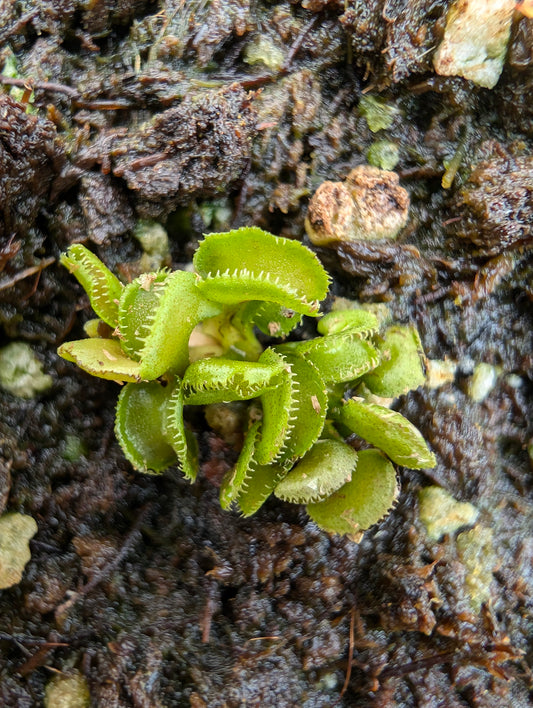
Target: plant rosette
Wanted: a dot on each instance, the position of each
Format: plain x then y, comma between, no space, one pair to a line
245,282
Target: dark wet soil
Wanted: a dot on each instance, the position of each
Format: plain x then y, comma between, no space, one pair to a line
142,584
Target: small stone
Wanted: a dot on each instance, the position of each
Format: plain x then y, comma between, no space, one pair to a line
21,372
442,514
482,382
476,551
226,419
475,40
16,530
440,372
370,204
67,691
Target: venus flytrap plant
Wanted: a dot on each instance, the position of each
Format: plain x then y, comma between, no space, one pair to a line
244,281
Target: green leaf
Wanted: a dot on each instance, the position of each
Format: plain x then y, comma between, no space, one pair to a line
251,264
236,479
272,319
324,469
339,357
361,502
219,380
279,405
140,426
337,321
182,440
260,487
401,369
137,308
101,357
102,287
157,315
388,430
309,407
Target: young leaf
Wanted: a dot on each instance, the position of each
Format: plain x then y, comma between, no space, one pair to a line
272,319
251,264
235,333
97,328
337,321
157,315
219,380
236,479
400,369
102,287
140,428
101,357
326,467
361,502
388,430
182,440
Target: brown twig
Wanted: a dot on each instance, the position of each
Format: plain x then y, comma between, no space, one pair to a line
18,25
256,81
350,654
40,85
4,284
297,44
102,104
38,659
97,578
426,663
23,639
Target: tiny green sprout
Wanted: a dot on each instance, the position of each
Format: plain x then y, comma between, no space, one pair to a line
249,281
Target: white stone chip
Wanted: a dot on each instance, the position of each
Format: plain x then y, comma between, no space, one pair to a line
475,40
16,530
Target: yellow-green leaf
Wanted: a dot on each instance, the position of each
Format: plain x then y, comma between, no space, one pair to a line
101,357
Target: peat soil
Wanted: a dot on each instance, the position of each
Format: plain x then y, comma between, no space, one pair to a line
203,116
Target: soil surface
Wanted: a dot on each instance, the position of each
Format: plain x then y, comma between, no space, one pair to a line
203,116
